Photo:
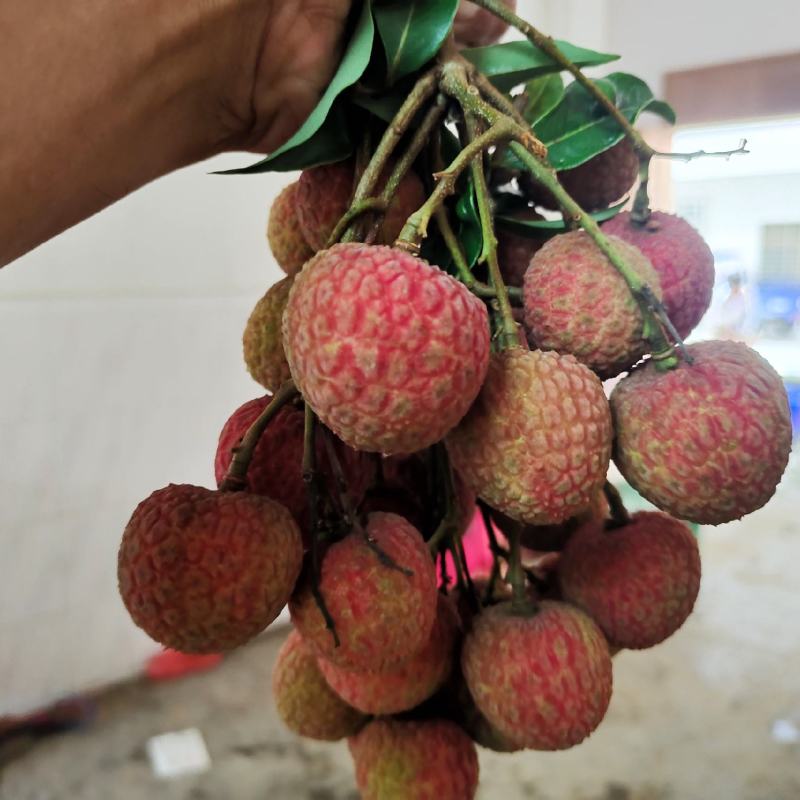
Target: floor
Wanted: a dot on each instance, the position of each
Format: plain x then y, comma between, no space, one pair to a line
697,718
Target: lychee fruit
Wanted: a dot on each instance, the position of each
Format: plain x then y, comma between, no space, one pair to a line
324,196
408,684
680,256
537,442
286,240
276,468
542,680
389,351
410,760
202,571
576,302
514,254
262,341
638,582
476,27
304,701
596,183
379,586
707,441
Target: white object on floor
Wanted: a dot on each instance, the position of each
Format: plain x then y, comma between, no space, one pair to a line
178,753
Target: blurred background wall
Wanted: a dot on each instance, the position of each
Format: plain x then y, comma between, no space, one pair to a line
120,353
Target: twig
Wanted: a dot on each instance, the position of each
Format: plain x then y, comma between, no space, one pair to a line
619,514
310,479
235,479
509,336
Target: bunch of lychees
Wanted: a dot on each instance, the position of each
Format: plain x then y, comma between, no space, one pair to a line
399,392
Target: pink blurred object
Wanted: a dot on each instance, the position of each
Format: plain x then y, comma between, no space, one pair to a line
476,549
171,664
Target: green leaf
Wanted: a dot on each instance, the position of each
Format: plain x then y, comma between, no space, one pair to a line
579,127
470,232
354,62
534,228
662,109
513,63
543,95
412,32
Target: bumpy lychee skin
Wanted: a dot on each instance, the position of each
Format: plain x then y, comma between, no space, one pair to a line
476,27
576,302
286,240
596,183
544,681
537,442
682,259
708,441
202,571
304,701
429,760
514,254
389,351
276,468
262,341
324,196
383,615
407,685
638,582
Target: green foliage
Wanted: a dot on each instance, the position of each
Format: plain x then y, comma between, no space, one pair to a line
541,96
323,137
578,127
510,64
536,227
412,32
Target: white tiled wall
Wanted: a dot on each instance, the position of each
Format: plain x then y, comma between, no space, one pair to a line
120,357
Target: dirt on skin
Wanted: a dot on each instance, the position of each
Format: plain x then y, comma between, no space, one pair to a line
691,719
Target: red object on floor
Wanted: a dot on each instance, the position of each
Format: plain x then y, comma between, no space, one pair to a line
171,664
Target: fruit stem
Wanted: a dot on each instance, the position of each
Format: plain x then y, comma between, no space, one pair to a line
423,90
640,212
509,337
416,228
345,501
516,575
447,528
352,214
235,479
421,137
312,488
619,514
548,46
663,351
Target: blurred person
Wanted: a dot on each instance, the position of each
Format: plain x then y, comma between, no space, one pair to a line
99,97
732,314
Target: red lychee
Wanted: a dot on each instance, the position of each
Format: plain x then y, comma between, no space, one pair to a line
276,468
638,582
537,442
202,571
304,701
408,684
543,681
324,195
429,760
262,342
286,240
707,441
682,259
476,27
596,183
576,302
379,586
389,351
